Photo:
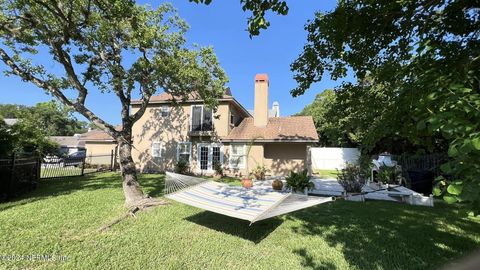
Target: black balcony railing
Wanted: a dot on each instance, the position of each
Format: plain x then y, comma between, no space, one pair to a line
203,128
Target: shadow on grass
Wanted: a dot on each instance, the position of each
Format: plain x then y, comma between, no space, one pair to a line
382,235
236,227
153,184
308,261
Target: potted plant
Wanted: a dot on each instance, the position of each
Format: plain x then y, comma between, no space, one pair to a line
247,182
390,175
259,172
299,182
277,184
352,180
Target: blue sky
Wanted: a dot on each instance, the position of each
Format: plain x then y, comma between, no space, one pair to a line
222,25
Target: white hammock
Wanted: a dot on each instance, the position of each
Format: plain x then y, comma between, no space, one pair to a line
251,204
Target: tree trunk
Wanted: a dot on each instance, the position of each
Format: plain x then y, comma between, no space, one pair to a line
131,188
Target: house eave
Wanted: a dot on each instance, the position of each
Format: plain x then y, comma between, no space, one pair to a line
268,141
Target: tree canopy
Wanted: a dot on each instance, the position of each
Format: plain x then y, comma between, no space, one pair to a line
109,46
425,58
52,118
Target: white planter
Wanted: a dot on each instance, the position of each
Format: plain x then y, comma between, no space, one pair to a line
305,192
355,197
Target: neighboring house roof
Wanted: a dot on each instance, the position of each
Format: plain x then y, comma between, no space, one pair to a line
192,98
68,141
96,135
10,121
289,129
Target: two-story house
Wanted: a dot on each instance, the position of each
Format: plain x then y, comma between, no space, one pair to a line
232,136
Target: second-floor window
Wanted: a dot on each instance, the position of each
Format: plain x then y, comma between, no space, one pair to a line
202,118
165,110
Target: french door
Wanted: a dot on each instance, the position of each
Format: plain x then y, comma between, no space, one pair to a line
208,155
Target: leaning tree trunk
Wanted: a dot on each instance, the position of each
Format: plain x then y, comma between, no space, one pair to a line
131,188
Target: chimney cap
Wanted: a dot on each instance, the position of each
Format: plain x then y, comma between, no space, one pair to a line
261,77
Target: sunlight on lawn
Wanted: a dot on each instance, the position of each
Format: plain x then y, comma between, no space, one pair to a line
63,217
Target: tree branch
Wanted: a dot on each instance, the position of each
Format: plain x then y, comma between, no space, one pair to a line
58,94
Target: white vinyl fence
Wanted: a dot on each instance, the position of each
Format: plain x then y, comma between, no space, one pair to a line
331,158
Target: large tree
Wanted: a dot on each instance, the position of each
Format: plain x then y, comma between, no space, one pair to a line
425,55
109,46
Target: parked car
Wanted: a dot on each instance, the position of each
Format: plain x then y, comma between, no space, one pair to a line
74,159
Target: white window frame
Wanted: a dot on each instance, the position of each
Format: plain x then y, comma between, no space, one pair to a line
159,145
165,109
210,146
189,150
231,156
201,115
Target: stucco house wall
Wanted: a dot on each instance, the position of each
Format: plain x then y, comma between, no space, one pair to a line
99,152
170,130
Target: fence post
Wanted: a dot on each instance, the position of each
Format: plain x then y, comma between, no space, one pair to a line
111,161
11,187
83,165
115,158
39,166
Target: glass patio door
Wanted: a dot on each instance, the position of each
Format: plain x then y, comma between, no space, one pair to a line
208,155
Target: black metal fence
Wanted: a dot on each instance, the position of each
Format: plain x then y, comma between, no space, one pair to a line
57,167
430,163
18,174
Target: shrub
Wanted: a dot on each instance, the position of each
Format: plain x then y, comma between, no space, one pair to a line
351,178
299,181
182,167
259,172
217,166
390,175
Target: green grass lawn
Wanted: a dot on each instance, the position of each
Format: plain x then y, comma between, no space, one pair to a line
63,216
326,173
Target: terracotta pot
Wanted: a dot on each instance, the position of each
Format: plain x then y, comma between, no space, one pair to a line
247,183
260,176
277,184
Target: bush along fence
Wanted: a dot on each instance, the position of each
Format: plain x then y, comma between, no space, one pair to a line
18,174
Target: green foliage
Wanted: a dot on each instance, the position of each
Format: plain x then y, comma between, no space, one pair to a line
259,172
389,175
52,117
299,181
258,8
418,68
25,136
7,140
351,178
328,120
217,166
182,167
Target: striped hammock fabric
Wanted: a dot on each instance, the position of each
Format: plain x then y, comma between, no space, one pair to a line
252,204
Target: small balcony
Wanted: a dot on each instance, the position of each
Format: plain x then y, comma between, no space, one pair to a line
204,129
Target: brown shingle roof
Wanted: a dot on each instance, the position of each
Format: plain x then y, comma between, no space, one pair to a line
294,128
96,135
166,97
69,141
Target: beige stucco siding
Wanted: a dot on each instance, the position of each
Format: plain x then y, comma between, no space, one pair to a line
283,158
278,158
99,152
170,130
